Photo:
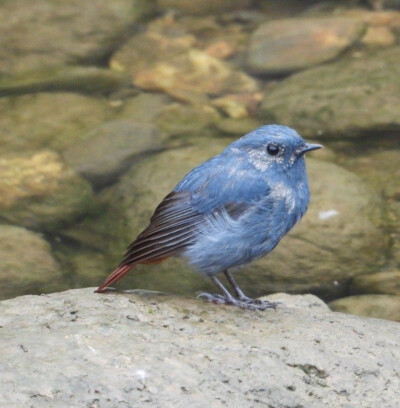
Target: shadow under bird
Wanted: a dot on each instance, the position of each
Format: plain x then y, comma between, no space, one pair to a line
230,210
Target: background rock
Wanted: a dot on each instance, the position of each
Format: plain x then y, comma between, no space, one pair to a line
284,46
336,100
387,282
27,264
85,349
47,33
201,7
39,191
379,306
110,148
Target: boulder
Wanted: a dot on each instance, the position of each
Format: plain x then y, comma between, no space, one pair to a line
350,98
385,282
27,264
82,349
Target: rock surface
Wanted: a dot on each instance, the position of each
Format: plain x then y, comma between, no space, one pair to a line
39,191
336,100
379,306
26,263
387,282
48,33
82,349
284,46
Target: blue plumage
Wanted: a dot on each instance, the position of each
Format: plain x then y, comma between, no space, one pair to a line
230,210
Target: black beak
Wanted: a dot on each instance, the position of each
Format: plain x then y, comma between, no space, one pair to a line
307,148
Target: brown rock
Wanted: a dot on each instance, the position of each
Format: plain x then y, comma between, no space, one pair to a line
382,282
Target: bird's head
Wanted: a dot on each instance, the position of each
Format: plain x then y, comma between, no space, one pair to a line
273,148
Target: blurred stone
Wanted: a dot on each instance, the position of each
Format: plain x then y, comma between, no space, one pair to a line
284,46
110,148
27,265
220,50
238,105
193,74
378,37
387,282
89,80
317,256
201,7
387,18
39,191
350,98
182,121
385,4
237,127
48,120
47,33
378,306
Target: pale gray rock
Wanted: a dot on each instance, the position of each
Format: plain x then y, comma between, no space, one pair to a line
80,349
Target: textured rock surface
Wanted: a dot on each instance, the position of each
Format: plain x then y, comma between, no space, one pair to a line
50,33
81,349
26,263
283,46
318,255
48,120
337,100
380,306
387,282
110,148
39,191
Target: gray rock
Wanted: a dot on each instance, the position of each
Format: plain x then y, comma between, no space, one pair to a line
386,282
110,148
378,306
318,255
284,46
82,349
39,191
349,98
48,120
90,80
27,264
48,33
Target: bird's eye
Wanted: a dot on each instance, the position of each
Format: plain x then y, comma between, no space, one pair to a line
272,150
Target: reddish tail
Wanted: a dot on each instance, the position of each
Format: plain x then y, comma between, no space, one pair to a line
114,276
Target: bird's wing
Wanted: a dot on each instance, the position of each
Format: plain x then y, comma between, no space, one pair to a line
179,217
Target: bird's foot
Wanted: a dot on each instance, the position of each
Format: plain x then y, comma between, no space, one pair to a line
244,302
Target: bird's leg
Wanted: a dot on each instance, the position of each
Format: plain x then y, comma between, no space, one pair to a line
242,297
228,299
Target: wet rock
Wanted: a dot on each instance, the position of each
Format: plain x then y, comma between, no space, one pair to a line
27,264
48,120
336,100
89,80
110,148
237,127
203,7
192,75
385,4
48,33
317,256
39,191
113,349
238,105
184,121
387,282
378,306
284,46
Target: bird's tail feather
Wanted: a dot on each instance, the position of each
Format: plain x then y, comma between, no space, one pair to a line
114,276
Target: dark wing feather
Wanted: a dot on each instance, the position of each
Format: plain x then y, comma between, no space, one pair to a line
172,227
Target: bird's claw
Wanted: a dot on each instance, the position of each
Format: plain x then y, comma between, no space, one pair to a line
243,303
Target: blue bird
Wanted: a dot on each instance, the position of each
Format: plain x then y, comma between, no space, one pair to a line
230,210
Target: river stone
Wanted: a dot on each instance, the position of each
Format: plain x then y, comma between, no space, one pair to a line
386,282
89,80
48,120
317,256
378,306
385,4
39,191
81,349
284,46
27,264
202,7
47,33
110,148
349,98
